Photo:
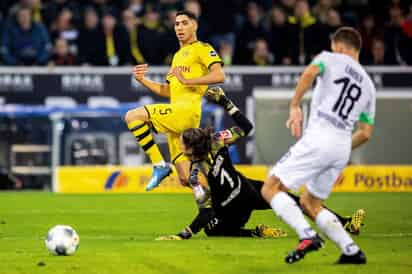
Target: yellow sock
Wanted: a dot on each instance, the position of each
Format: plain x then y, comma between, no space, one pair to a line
143,136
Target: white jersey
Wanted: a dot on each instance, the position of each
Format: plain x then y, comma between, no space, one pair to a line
343,95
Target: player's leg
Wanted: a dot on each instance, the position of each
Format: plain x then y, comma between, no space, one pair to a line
298,166
180,161
352,224
289,211
230,225
139,122
315,193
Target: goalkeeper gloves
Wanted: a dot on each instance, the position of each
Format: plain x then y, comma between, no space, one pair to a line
169,238
185,234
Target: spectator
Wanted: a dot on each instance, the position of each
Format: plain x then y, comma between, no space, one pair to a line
320,10
293,33
24,41
406,40
89,49
251,30
116,42
61,54
36,11
149,37
203,29
368,31
278,36
53,8
221,20
377,53
288,6
306,34
261,55
35,7
136,6
130,21
169,41
164,6
393,35
226,53
102,7
63,28
333,20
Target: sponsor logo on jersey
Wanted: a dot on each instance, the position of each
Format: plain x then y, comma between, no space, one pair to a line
212,53
184,68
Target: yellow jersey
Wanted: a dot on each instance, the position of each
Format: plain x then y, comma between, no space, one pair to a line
194,60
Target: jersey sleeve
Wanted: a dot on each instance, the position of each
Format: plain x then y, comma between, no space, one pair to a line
320,61
368,115
208,56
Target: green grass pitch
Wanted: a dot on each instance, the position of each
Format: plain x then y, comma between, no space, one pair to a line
117,236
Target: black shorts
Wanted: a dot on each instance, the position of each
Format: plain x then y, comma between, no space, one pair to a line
236,214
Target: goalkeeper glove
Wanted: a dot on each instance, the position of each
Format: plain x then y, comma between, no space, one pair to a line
185,234
169,238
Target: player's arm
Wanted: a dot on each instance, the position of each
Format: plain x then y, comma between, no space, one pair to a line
362,134
365,123
204,203
294,123
216,75
161,89
244,126
204,218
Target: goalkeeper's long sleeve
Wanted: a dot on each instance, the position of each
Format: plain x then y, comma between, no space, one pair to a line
204,216
239,118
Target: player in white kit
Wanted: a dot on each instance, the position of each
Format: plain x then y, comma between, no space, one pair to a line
344,95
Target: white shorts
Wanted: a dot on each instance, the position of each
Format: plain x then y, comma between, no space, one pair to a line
314,161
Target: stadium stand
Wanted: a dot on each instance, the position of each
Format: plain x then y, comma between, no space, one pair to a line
260,32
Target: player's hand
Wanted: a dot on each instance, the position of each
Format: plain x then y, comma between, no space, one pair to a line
169,238
215,95
294,123
139,71
177,72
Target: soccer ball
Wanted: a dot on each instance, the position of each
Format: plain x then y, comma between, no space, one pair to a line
62,240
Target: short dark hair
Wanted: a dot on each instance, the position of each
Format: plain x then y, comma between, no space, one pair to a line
189,14
349,36
199,140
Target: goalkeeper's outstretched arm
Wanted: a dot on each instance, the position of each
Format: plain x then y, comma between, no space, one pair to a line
244,126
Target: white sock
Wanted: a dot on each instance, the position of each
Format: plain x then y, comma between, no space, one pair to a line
287,209
330,225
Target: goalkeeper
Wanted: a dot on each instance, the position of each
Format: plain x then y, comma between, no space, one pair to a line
227,202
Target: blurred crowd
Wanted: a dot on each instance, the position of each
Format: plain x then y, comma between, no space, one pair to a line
259,32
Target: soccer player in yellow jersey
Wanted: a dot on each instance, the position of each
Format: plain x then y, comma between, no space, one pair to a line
195,66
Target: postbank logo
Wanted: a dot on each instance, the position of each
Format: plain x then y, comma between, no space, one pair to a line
116,180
